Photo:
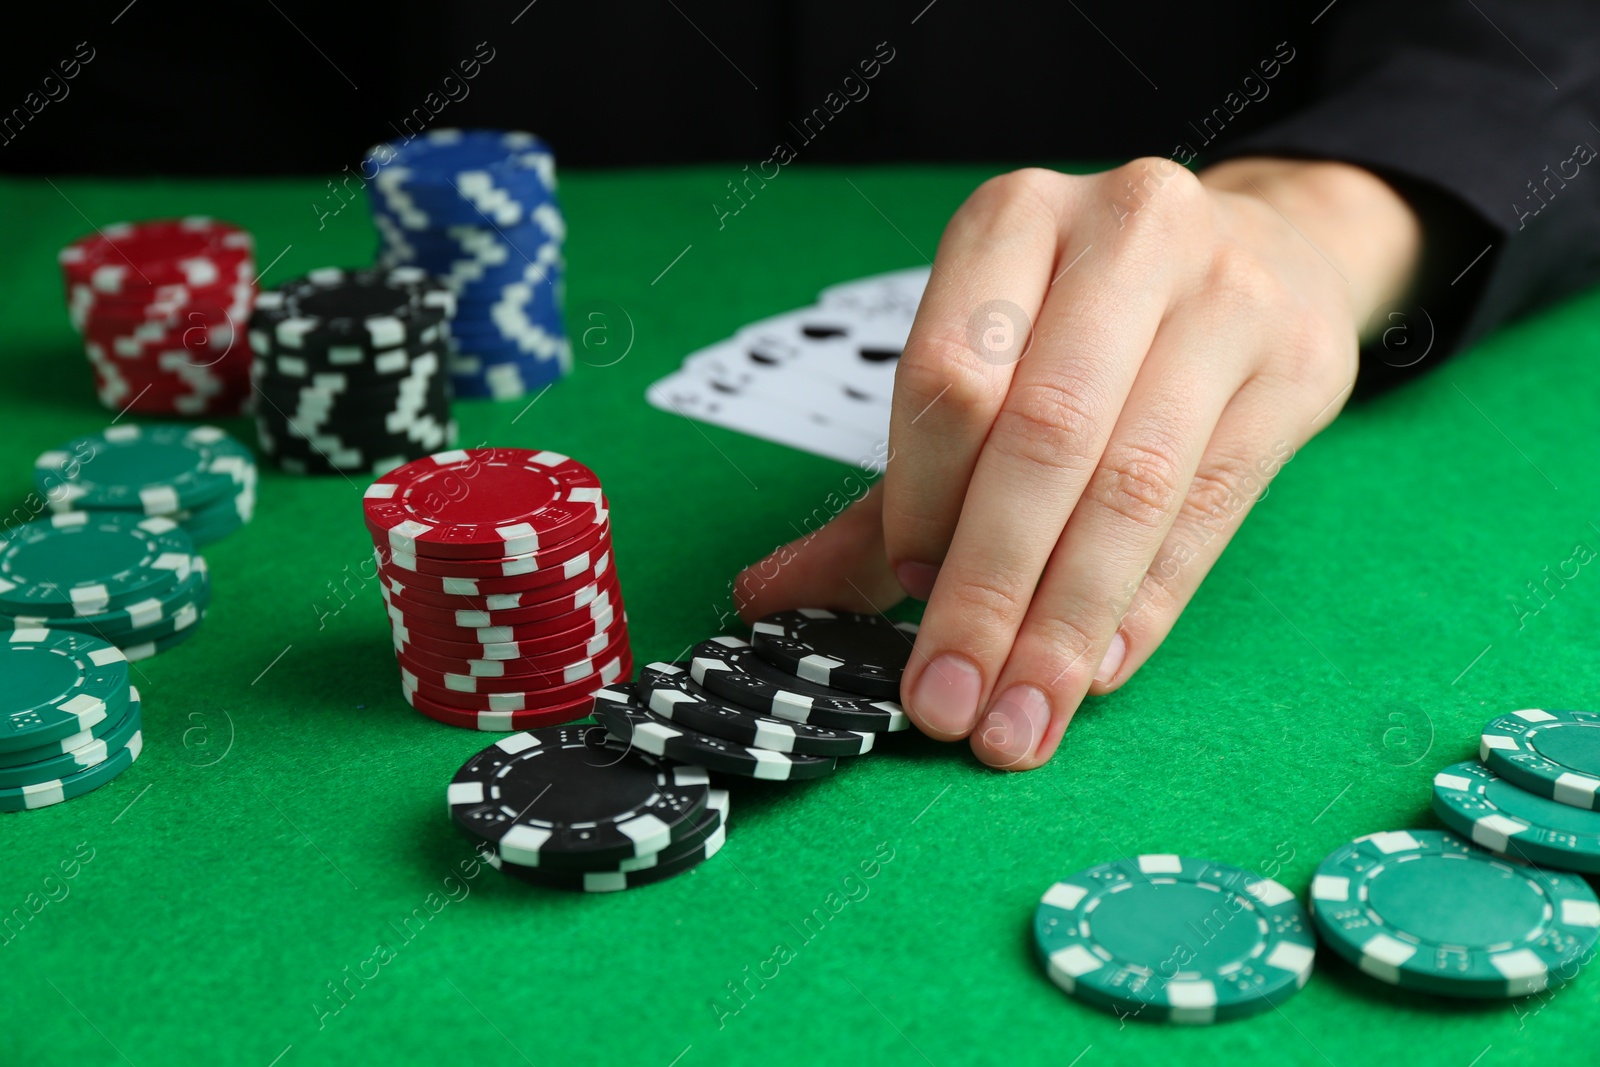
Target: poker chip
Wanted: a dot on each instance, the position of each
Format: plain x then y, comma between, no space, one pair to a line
1174,939
1554,754
842,649
553,691
82,563
705,841
477,209
1492,812
57,684
582,632
568,797
46,794
730,668
161,307
618,710
667,690
571,600
1425,910
65,764
484,503
197,476
498,721
477,667
518,618
532,675
72,742
154,616
352,370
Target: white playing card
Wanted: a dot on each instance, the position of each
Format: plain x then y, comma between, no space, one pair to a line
694,396
792,383
899,290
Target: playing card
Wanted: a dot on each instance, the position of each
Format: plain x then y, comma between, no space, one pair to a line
694,396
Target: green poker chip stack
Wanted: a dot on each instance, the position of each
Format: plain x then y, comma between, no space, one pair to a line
69,720
197,476
130,580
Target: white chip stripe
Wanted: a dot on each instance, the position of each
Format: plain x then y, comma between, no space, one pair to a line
1161,863
1524,971
1294,958
1382,956
1580,913
1269,893
1330,887
1495,832
1576,790
1534,715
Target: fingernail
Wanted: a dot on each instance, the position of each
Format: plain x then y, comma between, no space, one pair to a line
917,578
1016,723
1115,654
946,697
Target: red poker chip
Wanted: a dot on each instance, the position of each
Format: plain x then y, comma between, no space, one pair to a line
607,673
533,678
401,587
547,564
482,503
541,615
582,631
133,257
500,721
594,614
415,656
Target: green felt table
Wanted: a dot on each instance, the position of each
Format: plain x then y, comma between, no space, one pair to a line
277,880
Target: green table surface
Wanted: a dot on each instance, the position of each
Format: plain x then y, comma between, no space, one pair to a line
277,880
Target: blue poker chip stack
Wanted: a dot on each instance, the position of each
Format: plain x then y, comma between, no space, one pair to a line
477,210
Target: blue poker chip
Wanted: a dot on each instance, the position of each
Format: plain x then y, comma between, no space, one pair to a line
476,209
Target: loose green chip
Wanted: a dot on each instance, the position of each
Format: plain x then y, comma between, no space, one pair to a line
83,563
1174,939
1426,910
156,469
1478,804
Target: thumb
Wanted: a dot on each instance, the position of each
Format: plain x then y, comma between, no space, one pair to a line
842,566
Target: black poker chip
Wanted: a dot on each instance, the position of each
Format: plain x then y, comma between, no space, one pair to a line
374,309
705,841
617,709
568,797
846,650
667,690
730,668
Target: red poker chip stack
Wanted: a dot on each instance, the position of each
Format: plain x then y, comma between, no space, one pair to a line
162,307
495,567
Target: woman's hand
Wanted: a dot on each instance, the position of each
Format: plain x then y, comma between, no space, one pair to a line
1104,374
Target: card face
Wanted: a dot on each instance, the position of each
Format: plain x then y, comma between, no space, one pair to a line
819,378
792,383
693,396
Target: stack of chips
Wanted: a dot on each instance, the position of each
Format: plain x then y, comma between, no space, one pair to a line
197,476
69,719
495,568
161,306
568,808
477,209
129,580
810,687
350,370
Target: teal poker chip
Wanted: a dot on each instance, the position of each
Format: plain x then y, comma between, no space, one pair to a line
148,648
45,794
147,615
1555,754
213,524
1174,939
57,684
86,563
1478,804
91,753
1425,910
156,469
21,756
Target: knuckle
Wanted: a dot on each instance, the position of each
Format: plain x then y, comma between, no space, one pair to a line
1016,200
989,603
1241,279
941,368
1048,423
1140,484
1219,490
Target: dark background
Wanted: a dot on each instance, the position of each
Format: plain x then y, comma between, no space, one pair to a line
285,86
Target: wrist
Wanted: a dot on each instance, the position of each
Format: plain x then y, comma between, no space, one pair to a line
1355,220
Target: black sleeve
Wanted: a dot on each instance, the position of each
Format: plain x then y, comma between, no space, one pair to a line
1485,115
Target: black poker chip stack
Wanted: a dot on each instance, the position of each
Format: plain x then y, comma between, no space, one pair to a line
811,687
351,370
